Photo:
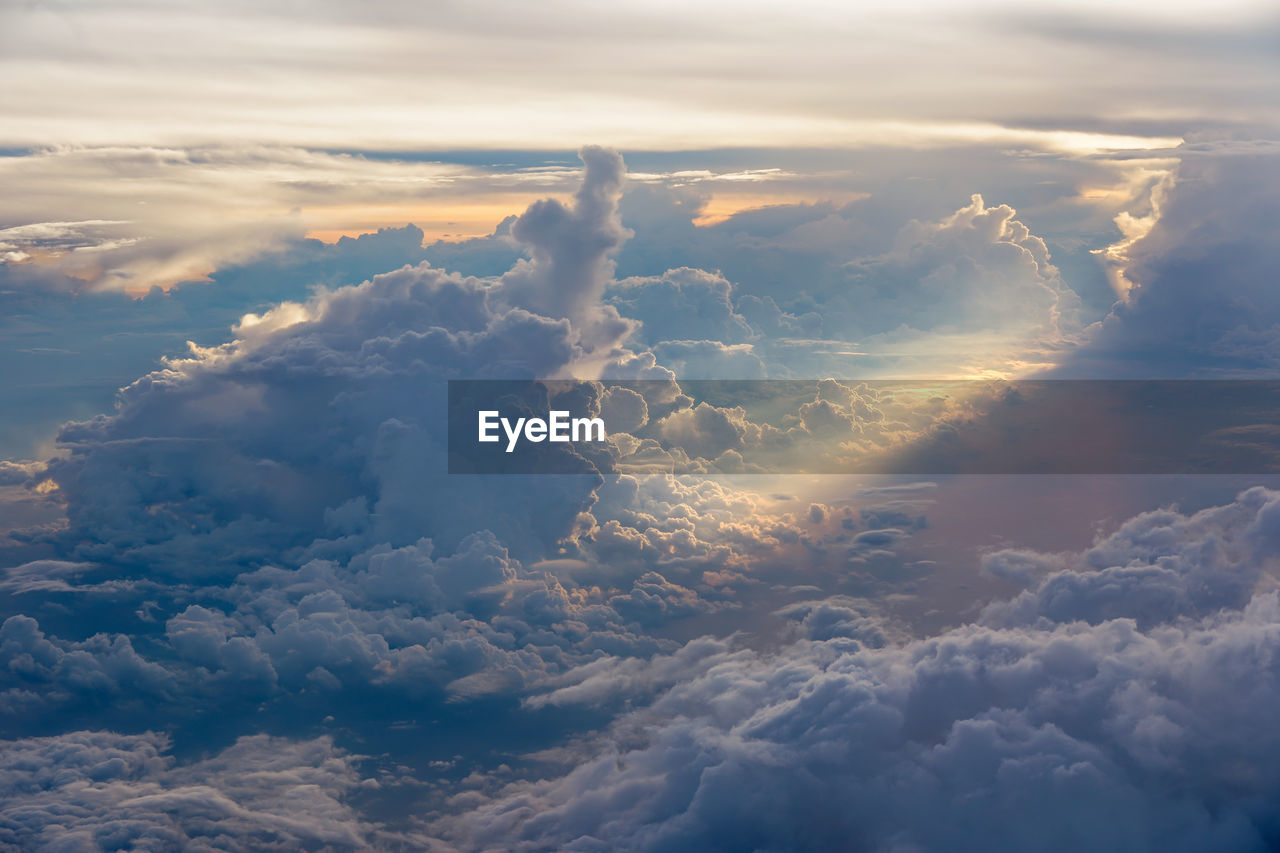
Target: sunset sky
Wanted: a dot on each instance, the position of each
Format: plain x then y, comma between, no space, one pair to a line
245,246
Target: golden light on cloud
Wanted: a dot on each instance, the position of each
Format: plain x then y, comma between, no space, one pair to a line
927,134
725,203
1159,177
458,218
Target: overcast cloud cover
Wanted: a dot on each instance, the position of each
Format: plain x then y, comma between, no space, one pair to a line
244,607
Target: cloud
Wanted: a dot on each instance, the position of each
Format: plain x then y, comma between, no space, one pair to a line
613,681
1200,304
149,215
787,265
1020,566
978,268
272,513
842,616
1084,723
278,503
570,264
710,359
92,790
754,328
1156,568
507,77
682,305
412,625
653,600
895,283
624,407
43,671
72,347
223,423
705,430
17,473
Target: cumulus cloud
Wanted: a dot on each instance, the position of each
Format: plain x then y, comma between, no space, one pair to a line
41,671
654,600
978,268
625,408
91,790
295,475
1201,302
224,423
705,430
915,284
711,359
271,512
1101,724
71,347
842,616
1158,567
570,263
823,426
681,305
403,621
277,506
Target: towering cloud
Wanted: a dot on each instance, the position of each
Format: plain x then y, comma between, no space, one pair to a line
1203,301
571,247
321,420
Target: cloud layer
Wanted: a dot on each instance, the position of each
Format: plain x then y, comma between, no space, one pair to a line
1120,704
270,618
